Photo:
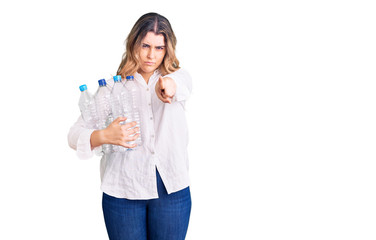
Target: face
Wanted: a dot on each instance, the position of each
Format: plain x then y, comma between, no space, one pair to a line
152,52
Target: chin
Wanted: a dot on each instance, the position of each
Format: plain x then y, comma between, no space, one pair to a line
149,69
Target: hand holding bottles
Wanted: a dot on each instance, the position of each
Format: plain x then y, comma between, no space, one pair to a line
121,134
120,103
165,89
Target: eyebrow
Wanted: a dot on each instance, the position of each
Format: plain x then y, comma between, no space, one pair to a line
155,46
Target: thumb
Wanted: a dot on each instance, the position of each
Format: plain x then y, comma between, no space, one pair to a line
161,82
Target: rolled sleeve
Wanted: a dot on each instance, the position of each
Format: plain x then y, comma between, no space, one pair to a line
83,144
79,139
183,82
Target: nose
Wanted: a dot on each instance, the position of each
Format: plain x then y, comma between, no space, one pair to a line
151,53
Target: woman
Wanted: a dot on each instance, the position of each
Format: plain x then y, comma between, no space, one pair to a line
146,192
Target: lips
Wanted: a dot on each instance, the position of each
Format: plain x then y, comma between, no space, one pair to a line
149,63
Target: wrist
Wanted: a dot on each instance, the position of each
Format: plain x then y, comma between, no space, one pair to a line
103,139
98,138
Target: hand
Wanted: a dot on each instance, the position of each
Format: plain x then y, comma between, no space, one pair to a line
118,134
165,89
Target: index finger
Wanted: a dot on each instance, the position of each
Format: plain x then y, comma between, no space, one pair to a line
120,119
129,125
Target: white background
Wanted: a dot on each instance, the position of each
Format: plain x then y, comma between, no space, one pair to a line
281,117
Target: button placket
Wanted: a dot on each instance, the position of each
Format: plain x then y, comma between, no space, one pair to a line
151,123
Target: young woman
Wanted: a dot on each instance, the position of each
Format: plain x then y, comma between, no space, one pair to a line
146,192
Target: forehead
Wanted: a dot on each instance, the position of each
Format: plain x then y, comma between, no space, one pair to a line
153,39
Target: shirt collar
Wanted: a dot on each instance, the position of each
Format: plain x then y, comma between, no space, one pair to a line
152,79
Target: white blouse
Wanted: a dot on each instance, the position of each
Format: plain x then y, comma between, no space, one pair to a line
164,133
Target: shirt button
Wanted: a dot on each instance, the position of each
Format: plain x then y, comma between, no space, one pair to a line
151,118
147,89
152,136
149,104
152,153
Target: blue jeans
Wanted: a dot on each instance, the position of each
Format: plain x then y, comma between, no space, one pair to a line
164,218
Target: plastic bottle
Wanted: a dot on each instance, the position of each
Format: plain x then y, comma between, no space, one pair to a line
103,104
118,101
133,104
118,98
87,108
102,101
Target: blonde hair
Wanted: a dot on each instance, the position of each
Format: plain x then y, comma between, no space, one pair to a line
150,22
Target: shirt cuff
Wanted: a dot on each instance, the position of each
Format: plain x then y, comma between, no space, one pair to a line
182,92
84,150
183,84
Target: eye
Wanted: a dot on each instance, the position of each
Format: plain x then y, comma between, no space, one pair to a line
160,48
145,45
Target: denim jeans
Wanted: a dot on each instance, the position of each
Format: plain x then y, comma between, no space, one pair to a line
164,218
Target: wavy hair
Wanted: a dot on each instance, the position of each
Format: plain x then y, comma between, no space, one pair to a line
150,22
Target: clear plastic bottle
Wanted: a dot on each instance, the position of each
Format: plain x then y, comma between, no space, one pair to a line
103,104
87,108
118,105
118,98
133,104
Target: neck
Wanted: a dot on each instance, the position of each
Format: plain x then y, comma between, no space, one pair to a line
146,77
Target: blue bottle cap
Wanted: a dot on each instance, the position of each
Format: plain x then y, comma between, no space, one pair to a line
102,82
83,87
117,78
130,77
